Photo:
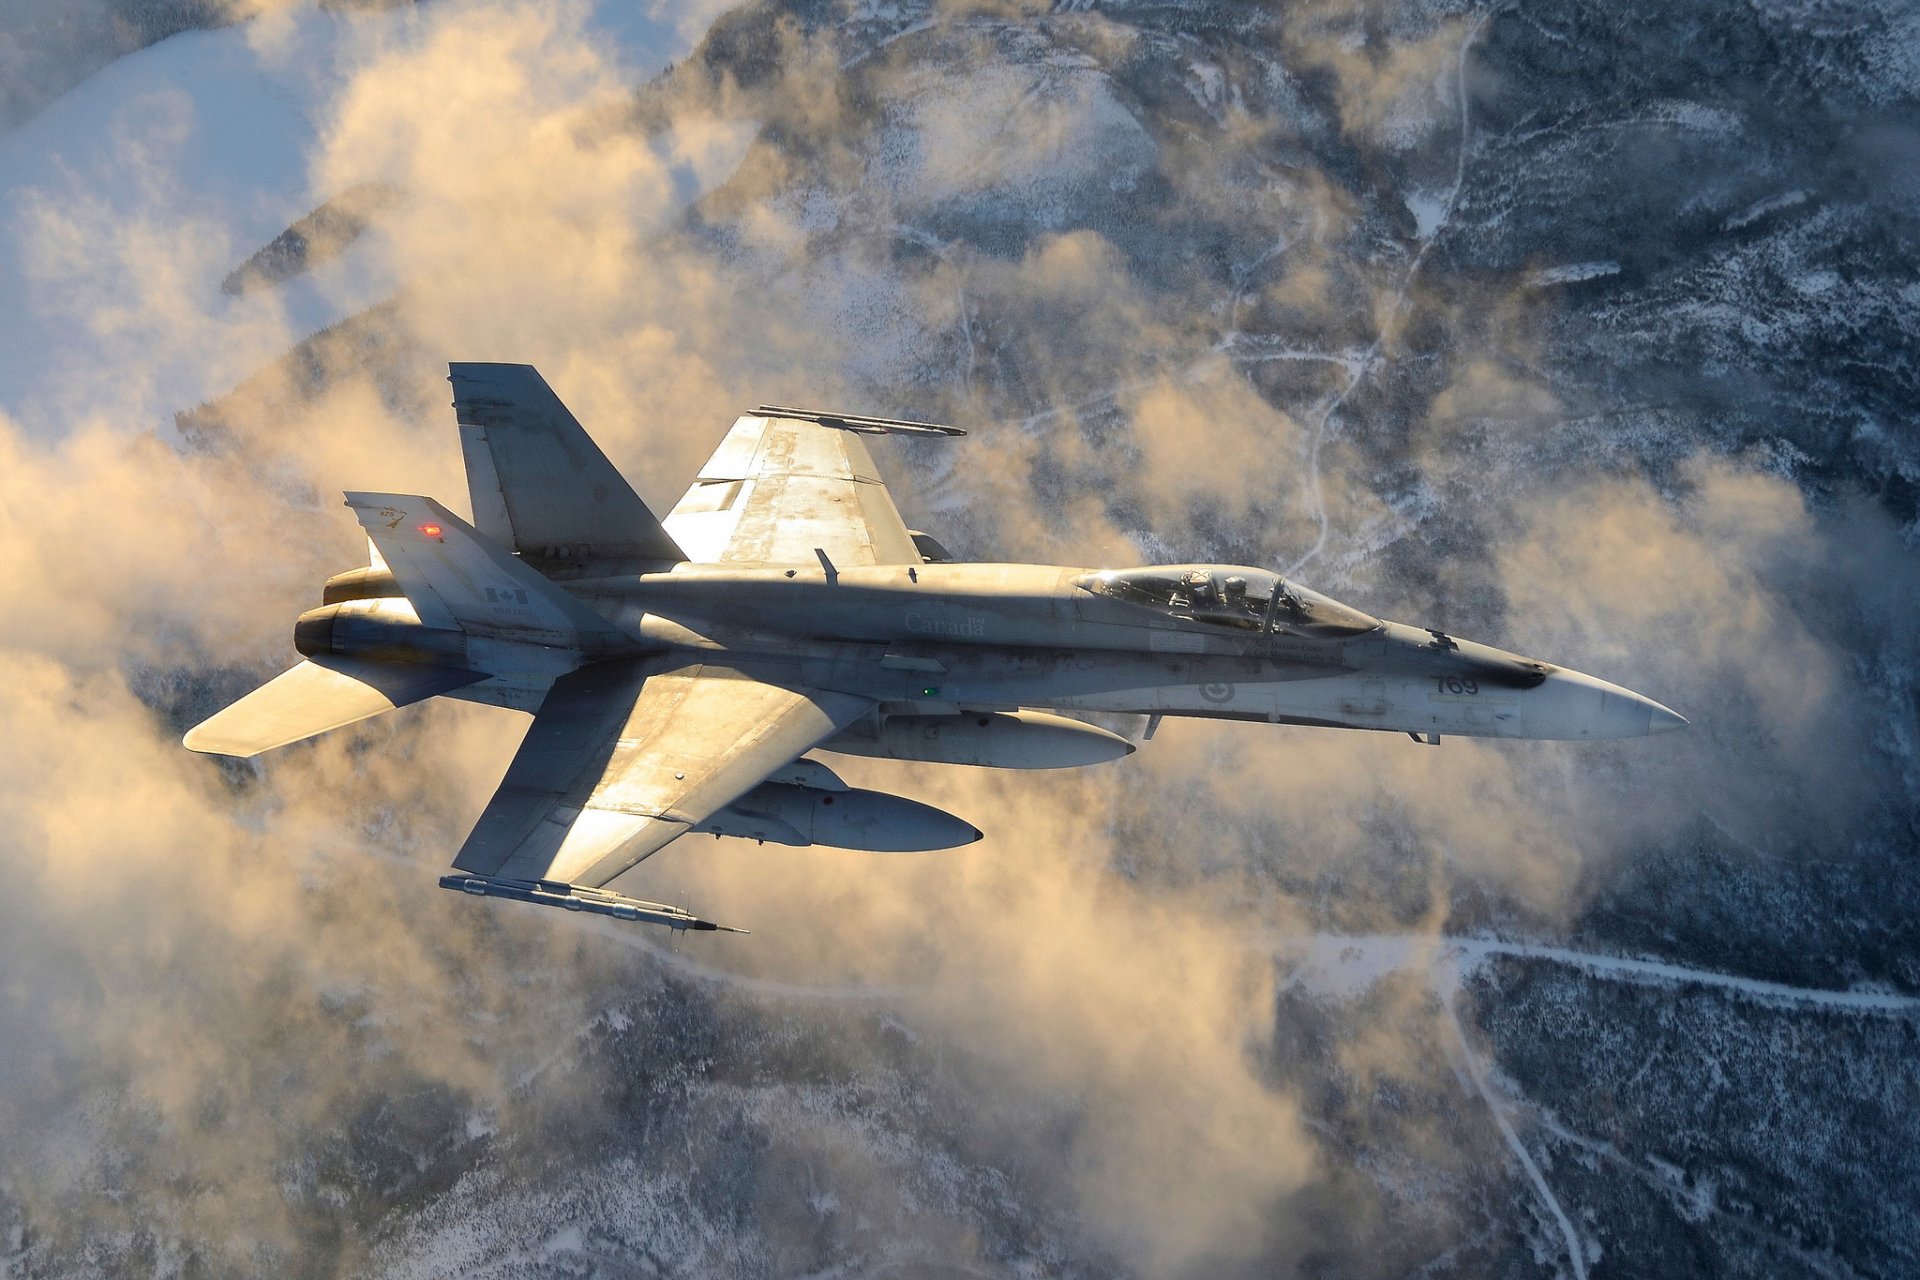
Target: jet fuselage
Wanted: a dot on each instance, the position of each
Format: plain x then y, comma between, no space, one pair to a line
941,638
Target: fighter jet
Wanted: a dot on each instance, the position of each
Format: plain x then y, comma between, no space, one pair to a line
681,672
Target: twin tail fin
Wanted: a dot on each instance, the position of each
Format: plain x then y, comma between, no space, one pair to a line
539,484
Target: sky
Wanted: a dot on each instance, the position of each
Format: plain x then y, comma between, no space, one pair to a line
210,969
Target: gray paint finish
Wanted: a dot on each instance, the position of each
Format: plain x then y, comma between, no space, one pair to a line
680,672
778,490
542,473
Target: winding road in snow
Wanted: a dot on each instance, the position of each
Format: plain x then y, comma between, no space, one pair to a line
1359,367
1476,1072
1346,965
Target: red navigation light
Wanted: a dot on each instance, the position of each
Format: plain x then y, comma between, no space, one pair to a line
431,530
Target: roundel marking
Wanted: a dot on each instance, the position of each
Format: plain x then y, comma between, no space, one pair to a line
1217,691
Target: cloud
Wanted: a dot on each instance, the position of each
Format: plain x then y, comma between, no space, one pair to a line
213,969
239,961
124,260
981,132
1391,67
208,967
1718,600
1136,1018
220,978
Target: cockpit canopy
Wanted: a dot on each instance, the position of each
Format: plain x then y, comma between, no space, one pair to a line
1252,600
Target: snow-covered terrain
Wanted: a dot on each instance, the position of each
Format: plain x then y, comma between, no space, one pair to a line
1579,328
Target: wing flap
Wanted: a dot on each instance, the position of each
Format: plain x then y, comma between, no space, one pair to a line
318,695
624,757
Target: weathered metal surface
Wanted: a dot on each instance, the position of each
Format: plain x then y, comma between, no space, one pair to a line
778,489
539,484
864,424
841,818
623,757
991,739
457,579
678,696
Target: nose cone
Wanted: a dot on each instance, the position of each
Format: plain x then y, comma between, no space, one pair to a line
1574,706
1663,720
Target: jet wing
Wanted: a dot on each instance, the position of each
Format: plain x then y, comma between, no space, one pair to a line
623,757
779,487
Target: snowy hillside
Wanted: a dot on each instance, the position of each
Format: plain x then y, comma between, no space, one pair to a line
1580,329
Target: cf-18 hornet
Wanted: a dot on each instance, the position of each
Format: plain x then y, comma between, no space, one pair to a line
681,671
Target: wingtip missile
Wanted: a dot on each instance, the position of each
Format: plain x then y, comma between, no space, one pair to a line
860,423
579,897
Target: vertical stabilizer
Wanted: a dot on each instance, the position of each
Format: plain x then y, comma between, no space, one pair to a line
541,486
489,506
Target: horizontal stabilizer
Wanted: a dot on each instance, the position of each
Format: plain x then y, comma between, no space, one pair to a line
457,579
540,484
318,695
